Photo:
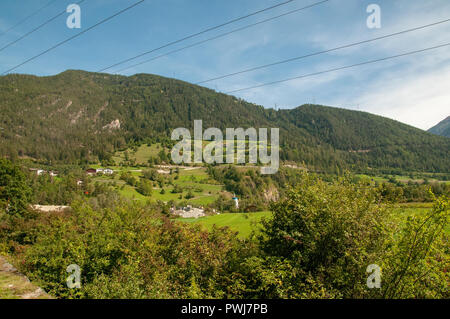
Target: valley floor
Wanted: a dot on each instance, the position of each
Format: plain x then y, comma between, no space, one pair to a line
246,223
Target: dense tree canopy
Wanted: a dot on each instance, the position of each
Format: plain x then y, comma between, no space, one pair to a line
15,192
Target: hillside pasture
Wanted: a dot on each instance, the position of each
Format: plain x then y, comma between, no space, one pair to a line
243,223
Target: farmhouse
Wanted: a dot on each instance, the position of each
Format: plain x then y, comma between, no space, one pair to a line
39,172
93,171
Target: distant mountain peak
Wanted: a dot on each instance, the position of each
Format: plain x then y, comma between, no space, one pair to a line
442,128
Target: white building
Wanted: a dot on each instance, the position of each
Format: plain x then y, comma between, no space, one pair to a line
93,171
106,171
188,212
39,171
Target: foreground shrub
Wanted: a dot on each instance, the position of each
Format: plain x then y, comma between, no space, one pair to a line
418,264
127,251
330,232
318,244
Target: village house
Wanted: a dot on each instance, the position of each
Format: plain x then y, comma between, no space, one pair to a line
40,172
108,171
93,171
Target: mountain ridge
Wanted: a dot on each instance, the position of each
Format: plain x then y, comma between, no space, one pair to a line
63,118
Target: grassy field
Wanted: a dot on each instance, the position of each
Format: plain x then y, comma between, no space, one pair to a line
141,155
401,178
194,180
243,223
403,211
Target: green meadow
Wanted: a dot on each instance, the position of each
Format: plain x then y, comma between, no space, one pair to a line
401,212
193,180
243,223
141,155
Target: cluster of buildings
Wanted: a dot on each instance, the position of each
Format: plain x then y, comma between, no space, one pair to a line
94,171
184,212
90,171
39,172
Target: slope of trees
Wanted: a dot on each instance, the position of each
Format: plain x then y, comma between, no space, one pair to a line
79,117
15,192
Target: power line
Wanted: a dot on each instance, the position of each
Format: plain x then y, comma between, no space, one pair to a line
37,28
75,36
196,34
28,17
222,35
340,68
322,52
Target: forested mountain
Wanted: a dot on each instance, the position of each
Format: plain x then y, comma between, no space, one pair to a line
442,128
78,116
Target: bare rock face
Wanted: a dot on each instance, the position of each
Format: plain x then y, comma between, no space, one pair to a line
34,295
15,285
271,194
189,212
5,266
114,125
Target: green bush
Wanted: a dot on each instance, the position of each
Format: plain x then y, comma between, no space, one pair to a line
318,244
417,265
330,232
144,187
126,251
15,192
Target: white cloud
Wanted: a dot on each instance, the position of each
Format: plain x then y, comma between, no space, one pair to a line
413,90
421,100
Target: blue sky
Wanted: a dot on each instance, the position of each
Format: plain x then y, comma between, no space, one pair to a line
414,90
